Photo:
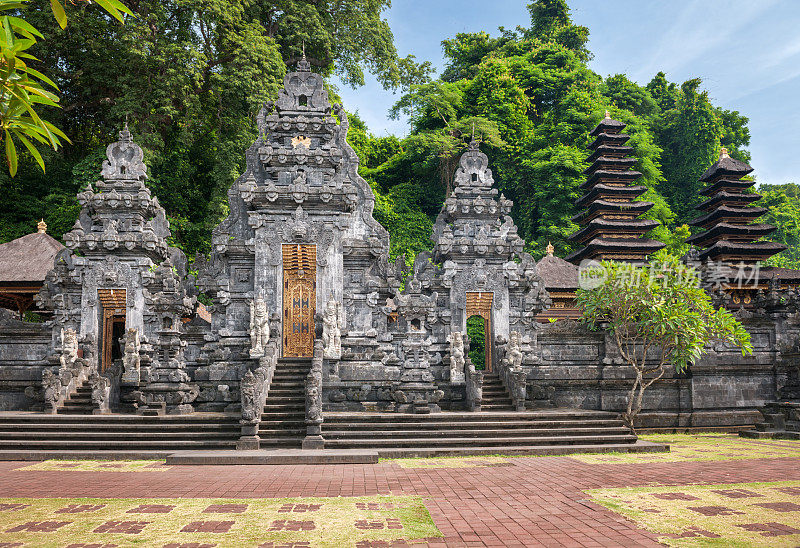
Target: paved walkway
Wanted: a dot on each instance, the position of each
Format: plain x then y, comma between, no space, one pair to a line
517,502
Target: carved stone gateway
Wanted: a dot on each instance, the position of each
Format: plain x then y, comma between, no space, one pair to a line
300,268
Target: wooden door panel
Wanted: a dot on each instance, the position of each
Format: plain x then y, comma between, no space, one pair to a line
299,299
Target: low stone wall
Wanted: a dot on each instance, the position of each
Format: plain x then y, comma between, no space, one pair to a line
23,355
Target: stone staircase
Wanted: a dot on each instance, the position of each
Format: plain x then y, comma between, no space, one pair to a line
26,436
781,420
283,420
79,403
495,396
556,431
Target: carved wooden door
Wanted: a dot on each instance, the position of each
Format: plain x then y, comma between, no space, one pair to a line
480,304
299,299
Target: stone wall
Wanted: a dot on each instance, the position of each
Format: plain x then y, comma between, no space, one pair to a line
24,347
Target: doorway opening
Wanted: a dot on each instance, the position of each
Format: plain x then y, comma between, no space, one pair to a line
112,329
479,328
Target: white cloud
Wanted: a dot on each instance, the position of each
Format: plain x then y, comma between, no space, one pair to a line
700,27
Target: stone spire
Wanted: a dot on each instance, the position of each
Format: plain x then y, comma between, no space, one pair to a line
610,223
730,232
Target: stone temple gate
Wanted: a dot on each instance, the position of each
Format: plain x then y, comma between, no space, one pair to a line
310,318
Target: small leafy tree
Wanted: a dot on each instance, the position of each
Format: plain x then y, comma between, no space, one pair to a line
659,317
23,88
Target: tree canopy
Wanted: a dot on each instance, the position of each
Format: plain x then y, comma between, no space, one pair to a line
190,75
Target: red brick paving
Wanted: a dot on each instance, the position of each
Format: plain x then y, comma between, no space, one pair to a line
535,502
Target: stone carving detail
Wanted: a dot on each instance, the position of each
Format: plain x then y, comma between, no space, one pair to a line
457,358
51,387
131,360
514,351
69,349
259,327
101,393
333,322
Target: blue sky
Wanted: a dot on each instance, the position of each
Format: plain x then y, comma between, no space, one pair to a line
746,51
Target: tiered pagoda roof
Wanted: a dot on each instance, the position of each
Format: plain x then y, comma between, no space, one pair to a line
610,223
731,233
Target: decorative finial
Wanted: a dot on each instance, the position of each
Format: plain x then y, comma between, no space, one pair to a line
473,130
125,134
550,249
41,227
723,153
303,65
608,115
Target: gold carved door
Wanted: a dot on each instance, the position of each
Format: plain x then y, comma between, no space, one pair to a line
299,299
480,304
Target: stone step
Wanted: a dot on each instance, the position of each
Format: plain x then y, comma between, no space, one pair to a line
167,445
40,418
87,426
466,425
465,416
518,433
483,442
277,407
289,424
152,437
285,400
288,432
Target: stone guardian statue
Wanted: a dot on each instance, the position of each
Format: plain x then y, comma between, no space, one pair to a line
457,358
259,327
131,360
332,323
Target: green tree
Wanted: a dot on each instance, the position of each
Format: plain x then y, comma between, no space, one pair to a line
690,135
659,317
783,204
190,75
23,88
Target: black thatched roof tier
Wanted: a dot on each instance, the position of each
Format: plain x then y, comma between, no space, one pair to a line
603,206
610,151
743,214
599,227
734,252
601,191
606,176
728,199
557,273
609,139
610,163
607,125
726,185
726,167
731,232
28,259
622,249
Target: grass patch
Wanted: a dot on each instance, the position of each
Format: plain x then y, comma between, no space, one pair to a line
58,465
700,447
740,514
225,522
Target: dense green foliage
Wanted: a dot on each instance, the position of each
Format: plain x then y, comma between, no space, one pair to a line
476,333
190,75
659,317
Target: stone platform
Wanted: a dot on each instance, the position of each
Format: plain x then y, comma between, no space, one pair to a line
276,456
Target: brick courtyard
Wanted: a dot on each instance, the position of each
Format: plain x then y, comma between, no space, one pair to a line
472,502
